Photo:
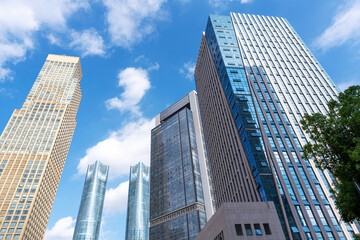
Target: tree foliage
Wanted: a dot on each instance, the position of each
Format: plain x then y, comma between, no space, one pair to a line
336,147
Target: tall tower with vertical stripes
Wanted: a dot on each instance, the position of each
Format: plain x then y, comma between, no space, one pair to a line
88,221
137,220
256,79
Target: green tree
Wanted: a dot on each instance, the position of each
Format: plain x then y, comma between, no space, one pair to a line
336,147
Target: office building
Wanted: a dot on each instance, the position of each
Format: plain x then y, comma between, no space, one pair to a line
181,198
137,222
243,221
34,146
255,79
92,201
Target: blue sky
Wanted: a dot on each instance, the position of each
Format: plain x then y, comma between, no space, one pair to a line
138,58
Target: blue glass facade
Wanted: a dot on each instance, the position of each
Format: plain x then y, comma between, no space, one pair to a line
223,45
233,78
89,217
137,222
177,208
270,79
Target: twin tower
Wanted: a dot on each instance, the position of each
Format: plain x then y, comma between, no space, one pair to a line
226,163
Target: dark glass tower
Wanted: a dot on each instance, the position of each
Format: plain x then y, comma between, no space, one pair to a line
137,222
180,186
255,80
89,217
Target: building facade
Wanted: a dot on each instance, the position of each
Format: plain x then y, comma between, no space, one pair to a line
181,198
255,80
92,201
137,222
243,221
34,146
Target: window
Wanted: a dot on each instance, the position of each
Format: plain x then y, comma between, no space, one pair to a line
267,229
238,229
257,229
248,230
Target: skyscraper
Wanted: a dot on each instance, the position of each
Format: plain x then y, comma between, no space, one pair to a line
181,198
137,222
256,79
34,146
92,201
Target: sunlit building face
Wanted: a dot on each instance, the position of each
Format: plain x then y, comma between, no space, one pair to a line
34,146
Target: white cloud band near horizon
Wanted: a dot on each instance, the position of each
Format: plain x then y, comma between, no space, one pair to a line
122,149
116,199
115,202
63,229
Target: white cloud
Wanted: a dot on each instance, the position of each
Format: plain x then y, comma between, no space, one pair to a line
5,73
188,70
345,27
131,20
5,92
140,58
53,40
153,67
53,13
145,61
122,149
116,198
218,4
135,82
221,5
88,42
345,85
62,230
21,19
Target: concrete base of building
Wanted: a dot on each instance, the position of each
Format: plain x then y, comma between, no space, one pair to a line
243,220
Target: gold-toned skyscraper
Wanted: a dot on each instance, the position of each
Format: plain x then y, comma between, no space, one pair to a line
34,146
